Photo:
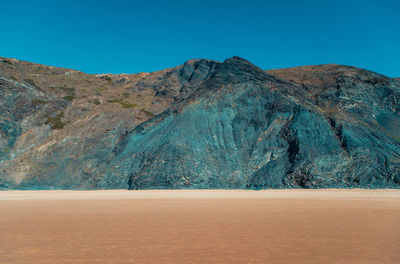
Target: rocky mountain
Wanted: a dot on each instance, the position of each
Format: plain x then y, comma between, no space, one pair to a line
203,124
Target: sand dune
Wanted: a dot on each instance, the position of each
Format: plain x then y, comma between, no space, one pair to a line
198,226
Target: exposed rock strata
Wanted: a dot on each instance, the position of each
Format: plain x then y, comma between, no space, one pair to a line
203,124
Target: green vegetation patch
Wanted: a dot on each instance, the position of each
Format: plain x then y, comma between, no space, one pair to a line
147,113
123,103
69,97
55,122
100,89
6,61
38,102
70,91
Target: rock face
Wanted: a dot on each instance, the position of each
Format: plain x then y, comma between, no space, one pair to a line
203,124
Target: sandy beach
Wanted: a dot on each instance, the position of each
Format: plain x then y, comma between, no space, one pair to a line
200,226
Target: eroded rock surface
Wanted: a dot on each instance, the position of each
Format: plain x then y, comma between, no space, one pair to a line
203,124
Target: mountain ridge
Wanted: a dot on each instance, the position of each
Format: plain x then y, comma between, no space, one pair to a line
202,124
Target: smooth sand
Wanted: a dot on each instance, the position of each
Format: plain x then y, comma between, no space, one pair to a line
274,226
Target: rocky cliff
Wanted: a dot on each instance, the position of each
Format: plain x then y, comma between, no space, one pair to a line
203,124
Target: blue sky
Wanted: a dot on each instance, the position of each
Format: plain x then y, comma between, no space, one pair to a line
144,36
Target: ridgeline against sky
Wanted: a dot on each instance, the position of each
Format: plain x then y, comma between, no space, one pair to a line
202,124
136,36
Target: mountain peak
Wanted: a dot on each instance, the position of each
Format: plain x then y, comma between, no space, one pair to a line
239,67
236,60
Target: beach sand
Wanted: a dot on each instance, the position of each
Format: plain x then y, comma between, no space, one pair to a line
200,226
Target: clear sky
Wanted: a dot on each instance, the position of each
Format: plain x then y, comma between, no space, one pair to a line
144,36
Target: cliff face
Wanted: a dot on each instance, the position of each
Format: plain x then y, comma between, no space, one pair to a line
203,124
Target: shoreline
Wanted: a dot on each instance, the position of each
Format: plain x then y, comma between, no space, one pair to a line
121,194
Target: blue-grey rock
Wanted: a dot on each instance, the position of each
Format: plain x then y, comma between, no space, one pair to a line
218,125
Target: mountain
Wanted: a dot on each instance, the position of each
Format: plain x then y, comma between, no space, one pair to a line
203,124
